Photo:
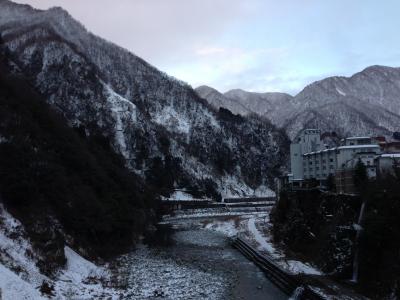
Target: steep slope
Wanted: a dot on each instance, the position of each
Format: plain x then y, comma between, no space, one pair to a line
378,85
218,100
167,134
63,184
372,97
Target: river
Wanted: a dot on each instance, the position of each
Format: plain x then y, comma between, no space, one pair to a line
183,261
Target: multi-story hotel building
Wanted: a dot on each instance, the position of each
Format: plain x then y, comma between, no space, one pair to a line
311,159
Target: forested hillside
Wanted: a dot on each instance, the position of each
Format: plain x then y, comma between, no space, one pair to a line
156,122
63,183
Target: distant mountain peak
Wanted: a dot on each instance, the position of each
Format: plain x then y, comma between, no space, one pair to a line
367,102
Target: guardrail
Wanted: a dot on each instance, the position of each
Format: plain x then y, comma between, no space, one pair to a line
285,281
248,199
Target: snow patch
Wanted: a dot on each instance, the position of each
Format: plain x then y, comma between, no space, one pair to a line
232,187
180,195
20,278
340,92
14,287
265,244
297,267
225,227
82,279
80,268
171,119
124,113
261,240
13,250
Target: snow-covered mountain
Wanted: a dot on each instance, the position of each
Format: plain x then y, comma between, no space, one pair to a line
366,103
218,100
166,133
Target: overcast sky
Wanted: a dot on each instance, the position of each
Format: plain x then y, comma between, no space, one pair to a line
257,45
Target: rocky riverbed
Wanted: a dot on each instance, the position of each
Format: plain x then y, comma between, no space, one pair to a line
192,263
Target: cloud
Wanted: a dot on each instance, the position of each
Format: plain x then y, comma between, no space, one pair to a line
210,51
259,45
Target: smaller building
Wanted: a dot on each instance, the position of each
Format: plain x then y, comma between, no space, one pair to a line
357,140
386,163
390,147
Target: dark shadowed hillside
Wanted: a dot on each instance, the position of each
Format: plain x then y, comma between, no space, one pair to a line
63,183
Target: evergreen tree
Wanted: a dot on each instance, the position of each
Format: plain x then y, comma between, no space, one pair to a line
330,183
360,175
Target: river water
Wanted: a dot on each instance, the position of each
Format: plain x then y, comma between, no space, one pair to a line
187,262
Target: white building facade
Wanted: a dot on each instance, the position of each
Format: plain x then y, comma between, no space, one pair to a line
310,159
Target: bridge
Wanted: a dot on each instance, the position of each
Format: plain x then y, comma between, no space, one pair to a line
190,204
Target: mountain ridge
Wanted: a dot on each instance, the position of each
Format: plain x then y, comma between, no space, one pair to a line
373,91
158,123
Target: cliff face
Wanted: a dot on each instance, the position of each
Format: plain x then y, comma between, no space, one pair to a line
167,134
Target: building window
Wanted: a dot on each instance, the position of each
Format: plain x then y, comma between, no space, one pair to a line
331,160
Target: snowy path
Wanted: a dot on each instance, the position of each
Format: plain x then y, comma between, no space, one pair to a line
261,240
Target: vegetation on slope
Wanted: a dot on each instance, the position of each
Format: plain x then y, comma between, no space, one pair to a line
320,227
57,180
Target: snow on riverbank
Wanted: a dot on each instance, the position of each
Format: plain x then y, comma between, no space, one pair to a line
180,195
265,245
82,279
263,241
228,228
20,278
254,227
